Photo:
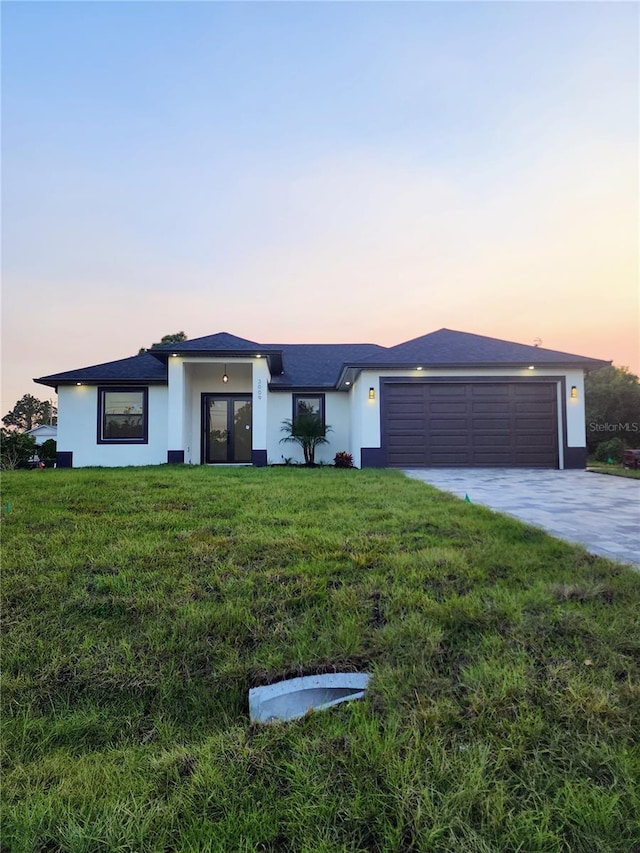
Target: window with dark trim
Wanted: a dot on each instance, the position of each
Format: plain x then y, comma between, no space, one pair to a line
308,404
123,415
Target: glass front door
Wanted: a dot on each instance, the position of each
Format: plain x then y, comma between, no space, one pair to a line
227,428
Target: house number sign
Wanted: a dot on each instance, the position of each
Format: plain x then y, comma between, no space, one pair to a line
259,389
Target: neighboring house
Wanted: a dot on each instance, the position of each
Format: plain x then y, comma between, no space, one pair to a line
43,433
447,398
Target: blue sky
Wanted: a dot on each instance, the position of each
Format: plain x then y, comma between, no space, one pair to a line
321,172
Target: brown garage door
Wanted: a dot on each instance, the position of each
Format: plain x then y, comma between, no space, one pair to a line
471,423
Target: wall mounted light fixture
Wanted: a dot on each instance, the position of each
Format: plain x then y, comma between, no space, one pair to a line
225,378
574,392
372,393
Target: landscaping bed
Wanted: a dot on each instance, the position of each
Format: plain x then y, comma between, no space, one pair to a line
140,605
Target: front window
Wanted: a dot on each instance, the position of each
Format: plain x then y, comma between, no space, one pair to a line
308,404
123,415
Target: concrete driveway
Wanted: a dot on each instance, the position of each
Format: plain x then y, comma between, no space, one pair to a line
598,511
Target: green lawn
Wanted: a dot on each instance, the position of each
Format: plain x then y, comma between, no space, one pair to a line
613,470
140,605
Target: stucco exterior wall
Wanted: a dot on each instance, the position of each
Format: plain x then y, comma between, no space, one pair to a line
575,408
337,415
77,430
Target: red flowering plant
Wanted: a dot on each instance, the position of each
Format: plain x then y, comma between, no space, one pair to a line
343,460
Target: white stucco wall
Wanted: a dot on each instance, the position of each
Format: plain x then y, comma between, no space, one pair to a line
575,408
77,430
337,415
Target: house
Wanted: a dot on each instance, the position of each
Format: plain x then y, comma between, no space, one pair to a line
446,398
43,433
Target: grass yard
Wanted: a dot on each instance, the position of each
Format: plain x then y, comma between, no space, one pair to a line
139,606
614,470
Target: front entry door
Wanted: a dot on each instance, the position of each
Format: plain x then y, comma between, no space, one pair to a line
226,428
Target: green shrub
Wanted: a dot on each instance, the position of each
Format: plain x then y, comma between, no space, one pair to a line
611,449
47,452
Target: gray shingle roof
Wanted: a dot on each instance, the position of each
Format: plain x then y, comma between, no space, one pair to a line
318,366
448,347
138,368
220,342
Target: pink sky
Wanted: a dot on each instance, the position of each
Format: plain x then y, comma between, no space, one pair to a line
395,170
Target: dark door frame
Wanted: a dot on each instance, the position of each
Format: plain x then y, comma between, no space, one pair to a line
204,425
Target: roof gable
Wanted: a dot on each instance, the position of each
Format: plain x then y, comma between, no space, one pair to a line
447,347
220,342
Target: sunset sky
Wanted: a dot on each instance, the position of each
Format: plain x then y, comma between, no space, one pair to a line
316,172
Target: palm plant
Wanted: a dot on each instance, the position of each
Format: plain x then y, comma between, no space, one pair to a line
308,431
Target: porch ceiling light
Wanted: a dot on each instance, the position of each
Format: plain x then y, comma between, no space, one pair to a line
419,367
78,383
347,382
532,367
174,355
225,378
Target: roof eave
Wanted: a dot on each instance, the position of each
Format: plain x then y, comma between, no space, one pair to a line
54,382
273,357
355,368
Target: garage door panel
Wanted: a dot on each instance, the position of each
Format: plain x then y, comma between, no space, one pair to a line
449,459
451,392
449,440
407,407
488,389
441,424
523,425
534,440
537,409
502,424
453,408
485,440
539,390
490,407
471,423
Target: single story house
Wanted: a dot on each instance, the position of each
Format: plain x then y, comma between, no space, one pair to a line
446,398
43,433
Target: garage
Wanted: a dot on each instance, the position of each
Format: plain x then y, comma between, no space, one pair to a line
493,423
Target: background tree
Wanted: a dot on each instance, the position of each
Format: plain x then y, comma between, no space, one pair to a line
612,397
16,449
30,412
176,338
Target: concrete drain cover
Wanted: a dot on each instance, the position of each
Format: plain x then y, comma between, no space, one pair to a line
291,699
